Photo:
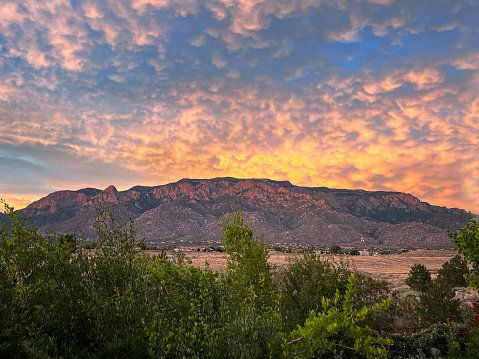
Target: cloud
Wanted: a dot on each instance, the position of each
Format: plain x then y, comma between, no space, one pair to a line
382,2
379,95
468,62
421,79
233,74
198,41
218,60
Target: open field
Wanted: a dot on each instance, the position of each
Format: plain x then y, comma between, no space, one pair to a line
392,268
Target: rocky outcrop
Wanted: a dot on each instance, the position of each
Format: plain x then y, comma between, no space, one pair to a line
190,210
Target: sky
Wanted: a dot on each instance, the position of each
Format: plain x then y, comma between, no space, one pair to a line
357,94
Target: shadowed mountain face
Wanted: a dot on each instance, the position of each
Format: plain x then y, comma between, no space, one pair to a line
190,211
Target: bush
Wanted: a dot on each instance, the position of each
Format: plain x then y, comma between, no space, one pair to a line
305,281
435,341
370,291
185,311
338,330
404,314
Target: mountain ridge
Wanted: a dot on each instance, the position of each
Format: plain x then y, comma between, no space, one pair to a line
190,210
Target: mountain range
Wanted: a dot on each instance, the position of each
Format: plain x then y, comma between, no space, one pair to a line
189,212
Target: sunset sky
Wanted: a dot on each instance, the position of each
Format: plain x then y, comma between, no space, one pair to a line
376,95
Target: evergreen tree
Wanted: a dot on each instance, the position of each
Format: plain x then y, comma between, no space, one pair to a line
454,272
419,278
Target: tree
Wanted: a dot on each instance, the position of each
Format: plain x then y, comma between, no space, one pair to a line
465,241
43,282
454,272
335,250
338,331
247,265
419,278
438,305
305,281
252,316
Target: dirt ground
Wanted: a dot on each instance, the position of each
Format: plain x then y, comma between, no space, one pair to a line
392,268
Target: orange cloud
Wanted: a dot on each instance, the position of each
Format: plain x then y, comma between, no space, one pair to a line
18,201
407,128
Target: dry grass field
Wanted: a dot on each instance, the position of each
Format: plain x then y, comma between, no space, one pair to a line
392,268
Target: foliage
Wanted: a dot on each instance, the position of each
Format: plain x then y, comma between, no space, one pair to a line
59,299
454,272
465,240
250,334
116,286
438,305
253,321
338,330
63,302
247,264
419,278
403,315
305,281
335,250
471,331
370,291
186,316
436,341
41,286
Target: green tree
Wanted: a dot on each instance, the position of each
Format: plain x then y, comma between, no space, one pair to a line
251,312
335,250
465,241
116,281
454,272
247,264
338,330
419,278
43,285
438,305
186,311
370,291
305,281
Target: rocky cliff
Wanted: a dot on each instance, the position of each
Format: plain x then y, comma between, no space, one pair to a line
190,210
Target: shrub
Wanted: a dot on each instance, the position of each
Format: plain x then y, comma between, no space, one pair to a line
305,281
435,341
404,314
338,330
185,311
370,291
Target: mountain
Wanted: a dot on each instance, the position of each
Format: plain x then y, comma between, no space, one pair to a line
190,211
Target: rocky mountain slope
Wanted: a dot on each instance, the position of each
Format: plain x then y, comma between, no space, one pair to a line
190,210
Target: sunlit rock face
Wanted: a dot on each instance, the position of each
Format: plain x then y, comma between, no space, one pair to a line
190,211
